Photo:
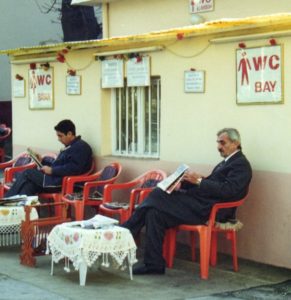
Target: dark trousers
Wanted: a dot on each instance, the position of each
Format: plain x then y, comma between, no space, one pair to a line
156,223
29,182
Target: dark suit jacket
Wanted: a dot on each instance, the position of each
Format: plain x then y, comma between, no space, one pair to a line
192,204
75,159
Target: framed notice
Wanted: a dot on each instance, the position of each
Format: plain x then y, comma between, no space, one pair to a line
18,88
200,6
40,89
112,73
138,71
259,73
194,81
73,85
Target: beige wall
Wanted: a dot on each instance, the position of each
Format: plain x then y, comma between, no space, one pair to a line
189,122
141,16
35,127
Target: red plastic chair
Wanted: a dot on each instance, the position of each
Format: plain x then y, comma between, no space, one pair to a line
12,167
207,239
21,163
144,183
92,193
56,196
3,138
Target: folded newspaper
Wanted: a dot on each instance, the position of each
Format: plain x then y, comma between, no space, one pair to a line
96,222
19,200
169,183
33,155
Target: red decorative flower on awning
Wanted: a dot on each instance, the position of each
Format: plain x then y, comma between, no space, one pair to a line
18,77
32,66
242,45
61,58
273,42
180,36
71,72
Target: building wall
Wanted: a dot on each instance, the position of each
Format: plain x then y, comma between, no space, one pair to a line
139,16
189,122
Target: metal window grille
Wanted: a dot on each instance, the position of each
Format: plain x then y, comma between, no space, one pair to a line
136,120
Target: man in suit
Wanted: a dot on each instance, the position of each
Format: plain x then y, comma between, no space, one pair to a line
192,201
75,159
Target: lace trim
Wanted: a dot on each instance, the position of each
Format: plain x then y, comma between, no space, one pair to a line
109,246
9,235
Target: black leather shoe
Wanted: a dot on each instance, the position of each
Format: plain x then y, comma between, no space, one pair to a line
144,270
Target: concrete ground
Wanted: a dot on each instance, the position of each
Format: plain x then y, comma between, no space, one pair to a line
181,282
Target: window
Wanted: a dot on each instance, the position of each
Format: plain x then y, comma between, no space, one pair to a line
136,120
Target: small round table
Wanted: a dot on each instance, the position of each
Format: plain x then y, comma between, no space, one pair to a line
84,246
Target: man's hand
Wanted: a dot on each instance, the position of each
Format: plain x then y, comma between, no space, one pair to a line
192,177
47,170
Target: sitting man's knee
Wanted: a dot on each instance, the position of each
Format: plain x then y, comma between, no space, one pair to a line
152,213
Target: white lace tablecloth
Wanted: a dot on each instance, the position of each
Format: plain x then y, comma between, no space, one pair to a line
10,222
84,246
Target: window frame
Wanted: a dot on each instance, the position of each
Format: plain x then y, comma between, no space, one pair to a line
142,127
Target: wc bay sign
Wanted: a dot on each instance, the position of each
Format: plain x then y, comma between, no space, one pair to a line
40,89
259,75
198,6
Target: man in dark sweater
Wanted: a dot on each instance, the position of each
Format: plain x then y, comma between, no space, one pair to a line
192,201
75,159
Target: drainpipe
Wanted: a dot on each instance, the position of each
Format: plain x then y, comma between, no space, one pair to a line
105,20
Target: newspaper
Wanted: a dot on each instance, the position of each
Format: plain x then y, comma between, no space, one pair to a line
96,222
19,200
169,183
33,155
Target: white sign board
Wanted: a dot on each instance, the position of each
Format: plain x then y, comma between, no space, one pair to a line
259,75
74,85
112,73
194,81
199,6
138,72
19,88
40,88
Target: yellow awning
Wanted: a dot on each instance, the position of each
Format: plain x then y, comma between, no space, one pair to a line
214,29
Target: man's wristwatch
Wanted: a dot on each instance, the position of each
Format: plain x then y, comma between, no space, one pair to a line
199,181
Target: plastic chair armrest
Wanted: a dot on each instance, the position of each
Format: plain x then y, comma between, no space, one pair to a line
109,188
9,173
93,184
142,193
70,181
6,164
222,205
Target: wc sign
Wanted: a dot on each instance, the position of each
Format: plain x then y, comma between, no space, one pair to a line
259,75
40,89
198,6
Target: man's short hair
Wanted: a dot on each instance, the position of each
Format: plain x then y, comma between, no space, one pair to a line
232,134
65,126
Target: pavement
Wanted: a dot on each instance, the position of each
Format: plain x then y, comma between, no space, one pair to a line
181,282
